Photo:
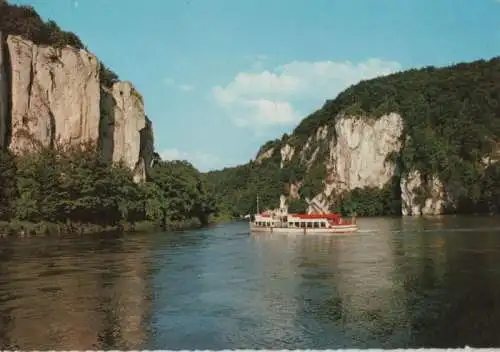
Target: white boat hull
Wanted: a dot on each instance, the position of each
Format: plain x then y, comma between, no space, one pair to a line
348,228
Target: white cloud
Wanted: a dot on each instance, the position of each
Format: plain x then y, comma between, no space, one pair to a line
202,161
270,97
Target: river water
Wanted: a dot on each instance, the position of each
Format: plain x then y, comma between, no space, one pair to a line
398,283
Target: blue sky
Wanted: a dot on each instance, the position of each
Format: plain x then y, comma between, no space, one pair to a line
220,77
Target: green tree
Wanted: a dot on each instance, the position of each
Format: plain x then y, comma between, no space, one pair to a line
8,192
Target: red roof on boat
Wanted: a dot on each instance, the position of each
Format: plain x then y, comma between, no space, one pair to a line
333,216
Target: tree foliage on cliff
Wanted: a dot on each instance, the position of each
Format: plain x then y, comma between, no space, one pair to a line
451,124
76,186
23,20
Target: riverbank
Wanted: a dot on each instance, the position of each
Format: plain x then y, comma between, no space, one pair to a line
30,229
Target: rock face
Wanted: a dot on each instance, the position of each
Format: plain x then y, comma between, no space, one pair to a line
358,151
126,132
56,97
432,199
264,155
286,154
358,155
4,95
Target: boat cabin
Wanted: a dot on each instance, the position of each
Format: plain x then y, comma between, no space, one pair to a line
297,221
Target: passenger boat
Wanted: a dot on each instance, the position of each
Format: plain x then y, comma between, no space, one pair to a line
282,221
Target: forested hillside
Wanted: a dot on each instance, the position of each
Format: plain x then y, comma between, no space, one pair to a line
451,130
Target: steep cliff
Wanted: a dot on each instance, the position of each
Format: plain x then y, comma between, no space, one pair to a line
126,132
357,157
57,97
4,94
54,93
411,143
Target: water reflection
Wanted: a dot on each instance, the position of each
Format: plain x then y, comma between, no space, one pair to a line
347,288
74,293
399,283
412,283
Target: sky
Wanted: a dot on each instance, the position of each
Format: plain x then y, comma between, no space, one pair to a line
222,77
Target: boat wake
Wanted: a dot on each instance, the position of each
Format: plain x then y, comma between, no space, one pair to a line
430,230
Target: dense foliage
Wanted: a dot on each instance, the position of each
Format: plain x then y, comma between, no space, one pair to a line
451,124
75,187
179,193
24,21
236,189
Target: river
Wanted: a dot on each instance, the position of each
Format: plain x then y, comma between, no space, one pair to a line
399,283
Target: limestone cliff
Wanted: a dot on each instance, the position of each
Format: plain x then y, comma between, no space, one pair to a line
358,155
124,124
56,96
4,95
414,187
54,93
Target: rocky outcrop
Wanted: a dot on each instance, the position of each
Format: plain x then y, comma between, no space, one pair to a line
286,154
54,93
358,158
56,97
4,95
126,134
358,155
421,198
264,155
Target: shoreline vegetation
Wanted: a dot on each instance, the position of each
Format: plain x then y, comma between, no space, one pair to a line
18,228
73,189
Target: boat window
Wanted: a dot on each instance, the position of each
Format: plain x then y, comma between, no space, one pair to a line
309,224
322,224
316,225
302,224
297,224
